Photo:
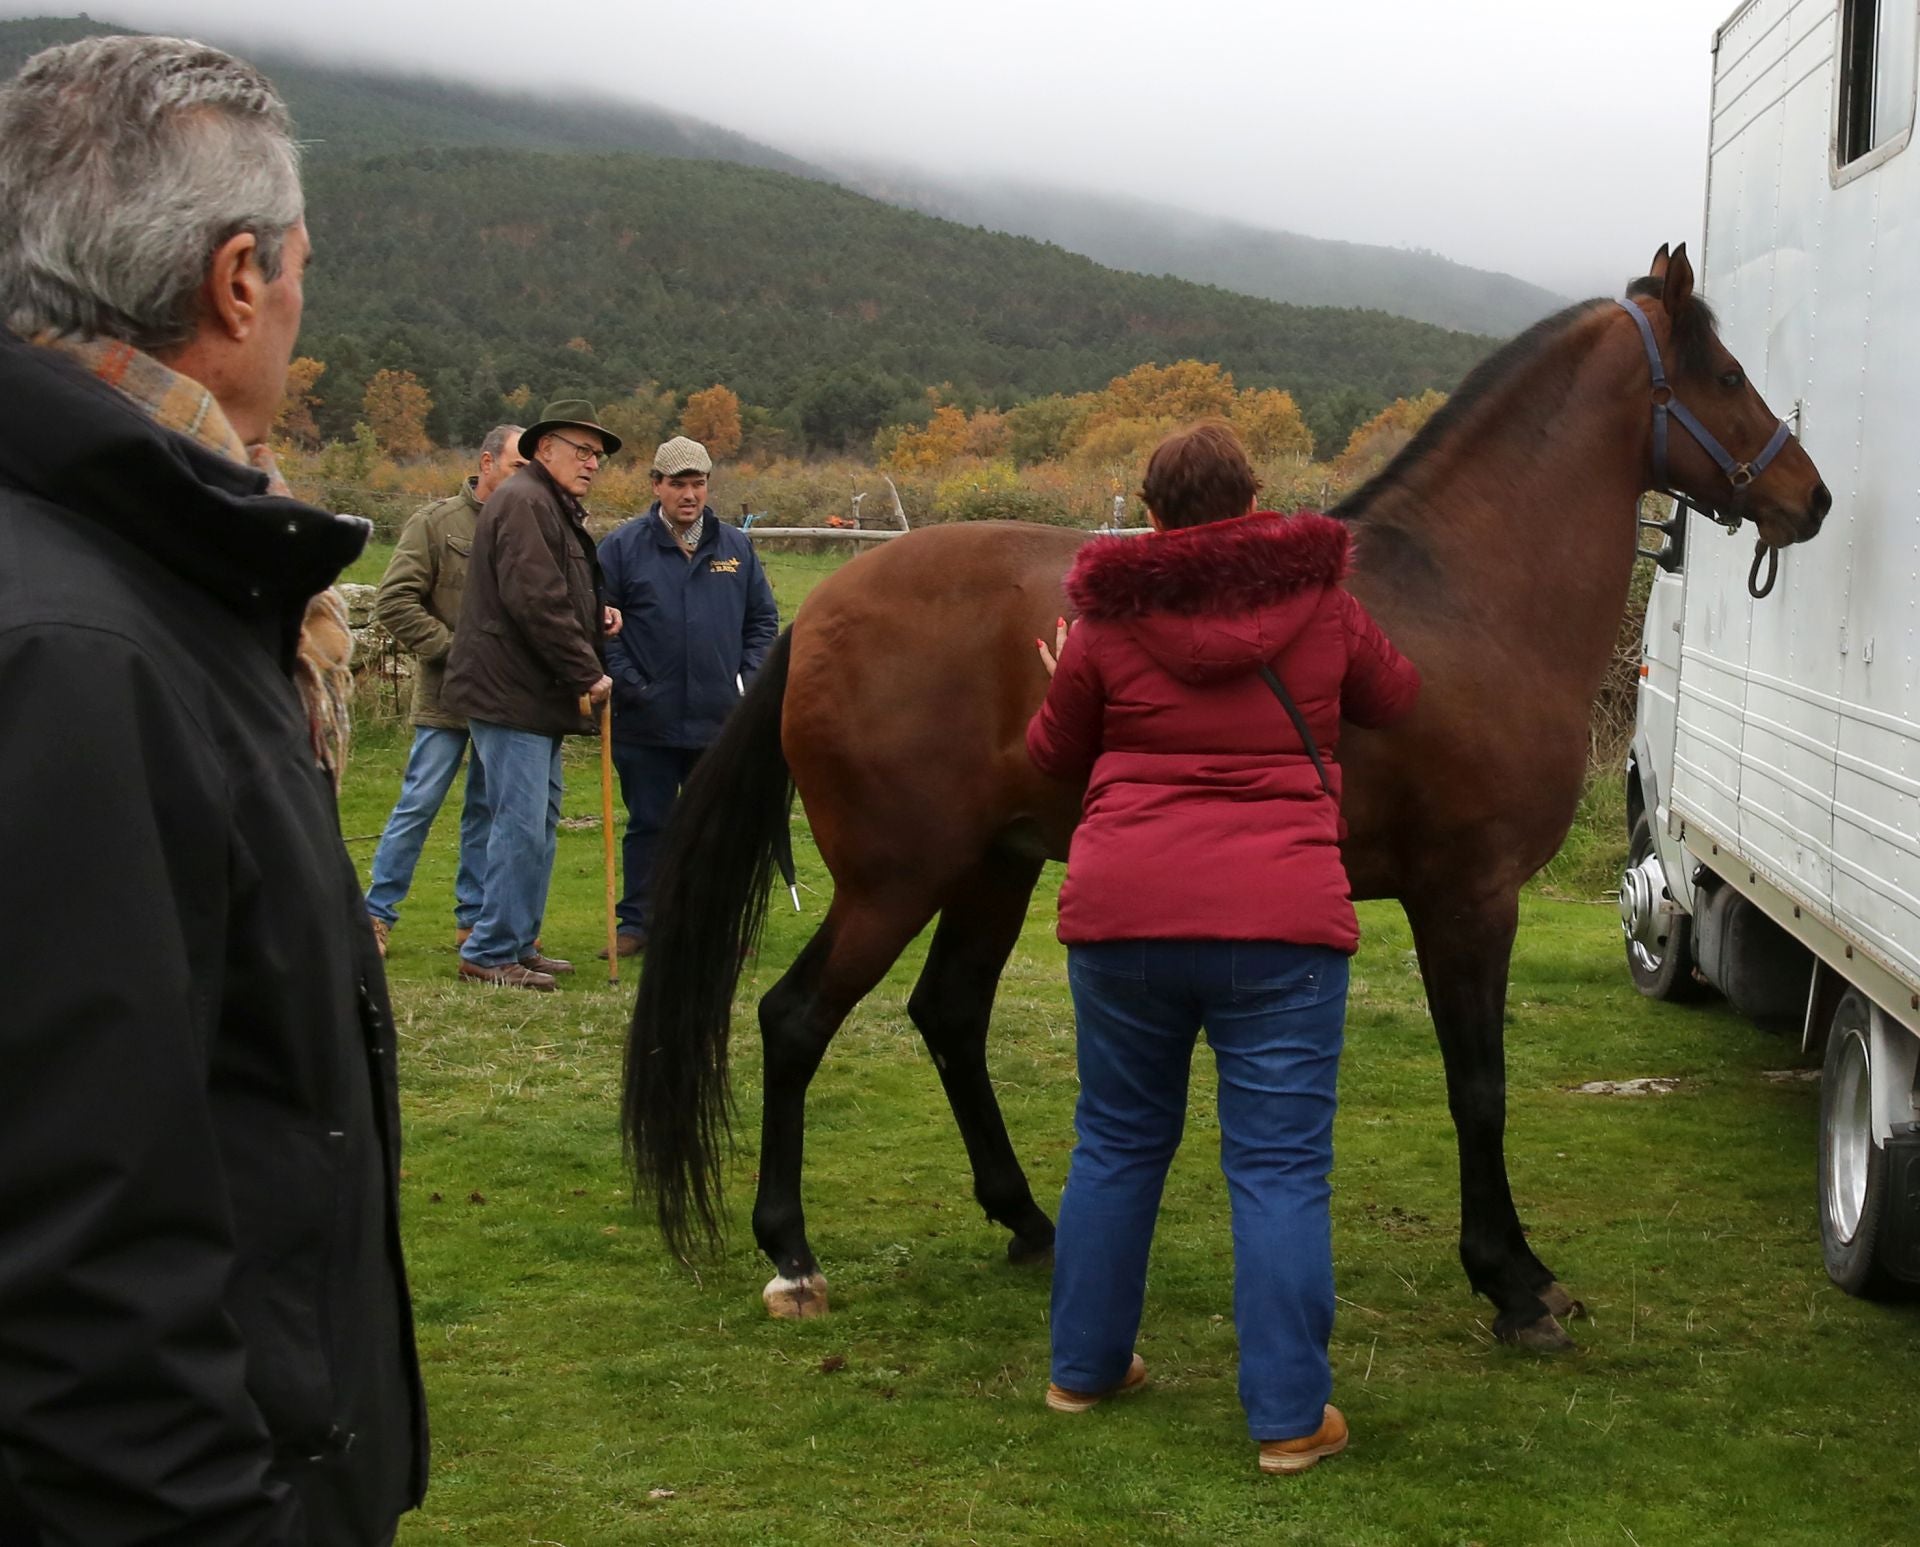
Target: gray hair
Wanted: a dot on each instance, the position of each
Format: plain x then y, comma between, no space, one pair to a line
125,163
498,439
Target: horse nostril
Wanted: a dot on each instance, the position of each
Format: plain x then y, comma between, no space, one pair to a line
1821,503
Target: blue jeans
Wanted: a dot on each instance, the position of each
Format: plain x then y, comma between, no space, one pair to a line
650,779
522,773
431,765
1273,1014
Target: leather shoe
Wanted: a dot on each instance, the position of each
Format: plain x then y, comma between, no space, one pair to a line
1290,1456
381,929
512,975
552,966
1062,1400
626,944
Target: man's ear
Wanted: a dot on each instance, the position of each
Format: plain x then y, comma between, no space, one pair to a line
233,289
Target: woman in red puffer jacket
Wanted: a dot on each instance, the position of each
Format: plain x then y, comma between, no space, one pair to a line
1205,889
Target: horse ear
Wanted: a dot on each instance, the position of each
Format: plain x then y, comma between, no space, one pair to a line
1679,282
1658,268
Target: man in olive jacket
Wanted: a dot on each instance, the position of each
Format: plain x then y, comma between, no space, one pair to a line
527,651
418,603
205,1335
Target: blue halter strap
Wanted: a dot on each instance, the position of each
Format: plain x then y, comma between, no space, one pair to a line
1739,474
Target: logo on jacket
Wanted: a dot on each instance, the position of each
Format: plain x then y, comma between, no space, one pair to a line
725,566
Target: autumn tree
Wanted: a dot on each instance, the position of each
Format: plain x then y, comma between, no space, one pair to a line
1179,394
941,441
643,418
712,417
295,421
1270,425
396,406
1382,438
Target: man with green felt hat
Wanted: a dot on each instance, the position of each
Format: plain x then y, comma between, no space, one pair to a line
533,626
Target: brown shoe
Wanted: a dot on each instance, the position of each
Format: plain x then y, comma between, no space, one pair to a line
513,975
552,966
1289,1456
627,945
1062,1400
381,929
461,934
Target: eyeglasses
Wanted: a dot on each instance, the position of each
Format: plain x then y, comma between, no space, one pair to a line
583,453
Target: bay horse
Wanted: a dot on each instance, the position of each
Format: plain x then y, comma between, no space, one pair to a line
1495,550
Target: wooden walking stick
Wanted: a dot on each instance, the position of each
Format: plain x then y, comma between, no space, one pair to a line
606,824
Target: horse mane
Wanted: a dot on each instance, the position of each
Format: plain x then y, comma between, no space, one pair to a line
1693,331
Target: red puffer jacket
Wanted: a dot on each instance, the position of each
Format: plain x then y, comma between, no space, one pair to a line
1204,817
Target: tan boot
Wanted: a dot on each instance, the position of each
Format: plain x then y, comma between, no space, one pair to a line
1289,1456
460,935
381,929
1062,1400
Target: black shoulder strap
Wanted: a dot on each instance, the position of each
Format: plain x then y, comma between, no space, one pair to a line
1299,725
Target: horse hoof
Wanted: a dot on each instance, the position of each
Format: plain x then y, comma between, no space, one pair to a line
1560,1302
1022,1253
1544,1336
796,1299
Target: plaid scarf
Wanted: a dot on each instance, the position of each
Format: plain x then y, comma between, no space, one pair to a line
688,540
321,668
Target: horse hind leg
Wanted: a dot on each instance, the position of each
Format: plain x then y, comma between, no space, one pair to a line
1465,953
848,954
952,1005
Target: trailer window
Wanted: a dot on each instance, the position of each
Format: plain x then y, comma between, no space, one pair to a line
1877,71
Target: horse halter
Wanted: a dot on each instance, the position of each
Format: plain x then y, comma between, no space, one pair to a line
1739,474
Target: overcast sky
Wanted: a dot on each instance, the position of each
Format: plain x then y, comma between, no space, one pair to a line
1561,140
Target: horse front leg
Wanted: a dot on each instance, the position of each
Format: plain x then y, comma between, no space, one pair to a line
1466,948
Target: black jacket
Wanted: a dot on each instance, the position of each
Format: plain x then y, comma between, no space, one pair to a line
526,646
205,1334
693,632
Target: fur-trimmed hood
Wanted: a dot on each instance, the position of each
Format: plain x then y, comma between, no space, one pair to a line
1215,600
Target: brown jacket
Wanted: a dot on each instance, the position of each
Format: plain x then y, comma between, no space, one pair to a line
527,645
419,597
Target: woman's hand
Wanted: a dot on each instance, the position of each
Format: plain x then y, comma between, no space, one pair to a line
1051,658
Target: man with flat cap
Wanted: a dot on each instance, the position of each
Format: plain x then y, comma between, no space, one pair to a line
700,618
526,651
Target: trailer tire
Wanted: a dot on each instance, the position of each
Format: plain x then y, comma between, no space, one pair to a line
1854,1188
1666,972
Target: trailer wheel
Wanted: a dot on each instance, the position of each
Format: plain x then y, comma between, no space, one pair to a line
1853,1169
1661,964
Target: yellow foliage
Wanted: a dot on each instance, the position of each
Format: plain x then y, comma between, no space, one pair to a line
1179,393
1381,438
396,406
294,421
1122,445
943,440
712,417
1270,425
642,419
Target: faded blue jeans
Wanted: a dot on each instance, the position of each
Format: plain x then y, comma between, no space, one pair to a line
1274,1015
432,763
522,772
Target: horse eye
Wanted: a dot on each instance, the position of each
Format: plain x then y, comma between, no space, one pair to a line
1733,379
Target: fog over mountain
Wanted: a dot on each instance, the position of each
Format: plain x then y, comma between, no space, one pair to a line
1560,143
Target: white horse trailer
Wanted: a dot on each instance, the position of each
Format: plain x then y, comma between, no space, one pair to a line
1774,785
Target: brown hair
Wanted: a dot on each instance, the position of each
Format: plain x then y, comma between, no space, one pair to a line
1199,475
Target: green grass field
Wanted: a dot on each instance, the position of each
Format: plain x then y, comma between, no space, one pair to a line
587,1390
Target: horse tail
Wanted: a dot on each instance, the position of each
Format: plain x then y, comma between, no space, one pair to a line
711,882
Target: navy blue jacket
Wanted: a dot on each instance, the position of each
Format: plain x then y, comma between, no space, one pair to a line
693,630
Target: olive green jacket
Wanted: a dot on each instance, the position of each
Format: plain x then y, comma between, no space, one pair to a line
419,597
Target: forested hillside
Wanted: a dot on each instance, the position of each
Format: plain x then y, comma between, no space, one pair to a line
348,113
482,270
1150,238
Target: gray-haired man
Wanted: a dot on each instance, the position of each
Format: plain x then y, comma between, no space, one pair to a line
419,603
205,1333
